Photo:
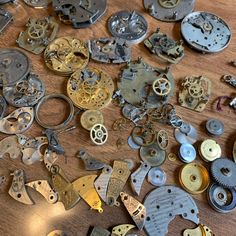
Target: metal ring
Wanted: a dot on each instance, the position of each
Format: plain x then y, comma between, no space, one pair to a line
64,123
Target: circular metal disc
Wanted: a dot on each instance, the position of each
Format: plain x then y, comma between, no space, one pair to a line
132,144
90,118
187,153
215,127
156,176
205,32
210,150
186,135
38,3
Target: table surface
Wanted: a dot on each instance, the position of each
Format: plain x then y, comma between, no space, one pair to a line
41,218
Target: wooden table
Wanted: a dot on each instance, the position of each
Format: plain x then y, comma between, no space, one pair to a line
41,218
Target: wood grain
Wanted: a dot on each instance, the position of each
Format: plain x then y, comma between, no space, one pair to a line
20,220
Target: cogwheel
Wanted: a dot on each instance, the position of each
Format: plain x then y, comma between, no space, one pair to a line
224,172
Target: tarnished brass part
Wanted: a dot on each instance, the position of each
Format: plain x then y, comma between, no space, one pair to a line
90,118
119,177
210,150
84,186
39,33
120,142
143,135
66,191
201,230
163,139
169,3
121,124
65,55
136,210
4,181
234,151
49,159
172,156
194,178
195,93
99,231
121,230
90,88
161,86
18,190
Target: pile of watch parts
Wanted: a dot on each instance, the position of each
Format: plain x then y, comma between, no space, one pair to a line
144,92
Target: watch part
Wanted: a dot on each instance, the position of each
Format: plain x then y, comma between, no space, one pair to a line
99,134
101,183
121,124
5,18
18,121
187,153
4,182
163,139
156,177
67,194
165,47
186,134
215,127
90,118
136,210
109,50
169,10
221,199
195,93
90,88
210,150
84,186
26,92
133,113
99,231
38,3
14,65
121,230
65,55
234,151
224,172
163,204
18,190
119,177
205,32
80,14
152,155
130,26
138,176
132,144
120,142
3,107
136,84
43,187
229,79
194,178
49,159
201,230
90,162
57,233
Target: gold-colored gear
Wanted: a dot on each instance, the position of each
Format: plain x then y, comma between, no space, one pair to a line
169,3
210,150
66,54
90,88
196,91
201,230
161,87
90,118
194,178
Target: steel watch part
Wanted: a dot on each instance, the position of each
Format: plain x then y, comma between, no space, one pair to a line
163,204
152,155
14,65
165,47
234,151
121,230
44,188
38,34
49,159
186,134
156,176
130,163
99,134
194,178
130,26
201,230
18,190
224,172
57,233
101,183
136,81
172,157
18,121
38,3
162,139
54,96
118,179
210,150
133,113
80,14
90,118
90,88
99,231
3,107
205,32
138,176
187,153
67,194
215,127
132,144
169,10
26,92
5,19
65,55
109,50
136,210
5,1
90,162
229,79
84,186
221,199
195,93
